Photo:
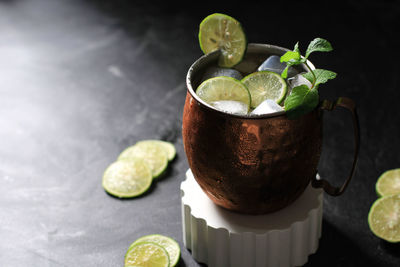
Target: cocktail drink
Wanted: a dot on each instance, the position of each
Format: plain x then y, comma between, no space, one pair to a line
251,147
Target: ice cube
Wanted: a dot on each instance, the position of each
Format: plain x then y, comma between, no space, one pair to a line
216,72
231,106
274,64
298,80
266,107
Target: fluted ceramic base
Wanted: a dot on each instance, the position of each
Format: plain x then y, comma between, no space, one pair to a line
218,237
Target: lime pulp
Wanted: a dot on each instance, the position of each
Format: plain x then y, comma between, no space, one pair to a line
170,245
388,183
147,254
264,85
127,179
222,32
152,154
223,88
384,218
167,146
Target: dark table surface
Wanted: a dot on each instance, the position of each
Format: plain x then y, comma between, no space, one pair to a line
82,80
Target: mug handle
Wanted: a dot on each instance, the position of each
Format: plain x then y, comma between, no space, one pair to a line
348,104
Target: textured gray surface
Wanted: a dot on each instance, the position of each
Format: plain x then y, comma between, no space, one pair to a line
82,80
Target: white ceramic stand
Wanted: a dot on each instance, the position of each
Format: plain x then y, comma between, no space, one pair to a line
219,238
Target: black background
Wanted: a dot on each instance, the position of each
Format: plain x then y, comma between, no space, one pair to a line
82,80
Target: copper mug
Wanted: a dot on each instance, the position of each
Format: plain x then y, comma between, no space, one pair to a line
255,165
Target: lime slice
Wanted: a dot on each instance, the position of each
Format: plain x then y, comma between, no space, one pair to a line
388,183
153,154
384,218
128,178
265,85
219,31
170,245
147,254
223,88
167,146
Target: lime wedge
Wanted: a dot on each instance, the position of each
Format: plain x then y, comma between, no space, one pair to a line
151,153
223,88
388,183
147,254
265,85
128,178
170,245
384,218
220,31
167,146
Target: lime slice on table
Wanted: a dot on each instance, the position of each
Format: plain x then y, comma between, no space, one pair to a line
219,31
264,85
151,153
384,218
170,245
167,146
388,183
147,254
223,88
128,178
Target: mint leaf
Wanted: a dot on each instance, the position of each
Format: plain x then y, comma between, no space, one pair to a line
301,101
308,76
318,44
291,56
296,48
322,76
285,72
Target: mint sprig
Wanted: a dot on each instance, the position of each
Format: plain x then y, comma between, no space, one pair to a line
304,99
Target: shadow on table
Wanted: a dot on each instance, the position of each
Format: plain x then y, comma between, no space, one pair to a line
183,264
335,249
391,248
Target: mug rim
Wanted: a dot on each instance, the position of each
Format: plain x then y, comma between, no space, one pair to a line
215,54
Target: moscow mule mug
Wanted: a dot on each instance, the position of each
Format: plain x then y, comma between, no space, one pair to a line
260,164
